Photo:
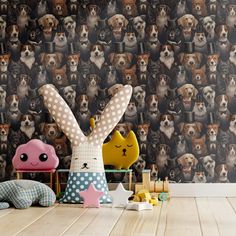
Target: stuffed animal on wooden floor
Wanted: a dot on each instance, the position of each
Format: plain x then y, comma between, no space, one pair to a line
86,163
24,193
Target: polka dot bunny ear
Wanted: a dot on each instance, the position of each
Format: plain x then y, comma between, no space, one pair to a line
111,115
64,117
62,114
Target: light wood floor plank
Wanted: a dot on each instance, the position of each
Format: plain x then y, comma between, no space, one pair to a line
162,219
17,220
143,223
6,211
55,222
179,216
95,222
224,214
182,218
207,219
232,202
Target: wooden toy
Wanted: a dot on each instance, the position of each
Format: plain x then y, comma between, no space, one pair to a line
120,196
86,163
121,152
91,196
156,188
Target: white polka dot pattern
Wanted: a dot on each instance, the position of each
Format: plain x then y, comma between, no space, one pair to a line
109,119
51,100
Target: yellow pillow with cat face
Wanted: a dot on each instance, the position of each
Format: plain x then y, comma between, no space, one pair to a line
121,152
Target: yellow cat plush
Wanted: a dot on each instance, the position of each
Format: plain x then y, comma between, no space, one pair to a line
121,152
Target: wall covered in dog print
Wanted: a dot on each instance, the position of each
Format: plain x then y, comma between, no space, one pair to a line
179,56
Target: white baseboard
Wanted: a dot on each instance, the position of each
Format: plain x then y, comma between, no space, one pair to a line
203,190
196,190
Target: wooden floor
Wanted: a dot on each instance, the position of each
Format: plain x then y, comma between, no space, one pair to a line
179,216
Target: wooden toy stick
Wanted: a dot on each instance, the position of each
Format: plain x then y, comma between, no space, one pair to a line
146,179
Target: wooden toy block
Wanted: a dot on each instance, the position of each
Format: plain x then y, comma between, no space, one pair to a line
158,186
146,179
166,185
152,186
138,187
154,195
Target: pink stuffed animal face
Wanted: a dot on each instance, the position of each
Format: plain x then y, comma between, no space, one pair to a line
35,155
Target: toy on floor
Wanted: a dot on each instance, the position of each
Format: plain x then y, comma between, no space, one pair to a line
120,196
157,188
24,193
35,155
145,196
91,196
121,152
86,163
139,206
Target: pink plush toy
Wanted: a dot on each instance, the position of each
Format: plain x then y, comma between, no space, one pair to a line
35,155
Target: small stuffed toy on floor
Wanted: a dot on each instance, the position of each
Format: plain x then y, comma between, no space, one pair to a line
24,193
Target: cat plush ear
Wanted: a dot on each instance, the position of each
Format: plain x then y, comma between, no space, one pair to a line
111,115
62,114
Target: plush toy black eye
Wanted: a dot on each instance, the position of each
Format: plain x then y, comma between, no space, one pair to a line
23,157
43,157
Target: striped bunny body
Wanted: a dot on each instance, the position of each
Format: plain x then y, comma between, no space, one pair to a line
87,162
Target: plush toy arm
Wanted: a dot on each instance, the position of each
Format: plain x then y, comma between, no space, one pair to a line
21,203
111,115
4,205
62,114
48,198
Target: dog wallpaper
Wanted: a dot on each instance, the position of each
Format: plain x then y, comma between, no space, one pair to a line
179,56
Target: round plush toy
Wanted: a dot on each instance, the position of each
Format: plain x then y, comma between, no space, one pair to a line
24,193
86,164
35,155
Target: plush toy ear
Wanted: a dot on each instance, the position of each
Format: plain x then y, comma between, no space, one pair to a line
111,115
62,114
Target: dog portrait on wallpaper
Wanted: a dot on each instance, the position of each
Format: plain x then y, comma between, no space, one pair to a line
179,57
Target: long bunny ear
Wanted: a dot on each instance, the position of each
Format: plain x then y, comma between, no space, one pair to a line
62,114
111,115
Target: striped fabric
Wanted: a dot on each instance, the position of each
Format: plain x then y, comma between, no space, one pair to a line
24,193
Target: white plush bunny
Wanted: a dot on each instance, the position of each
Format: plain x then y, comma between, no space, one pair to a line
87,163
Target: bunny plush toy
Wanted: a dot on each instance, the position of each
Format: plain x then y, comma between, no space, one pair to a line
87,162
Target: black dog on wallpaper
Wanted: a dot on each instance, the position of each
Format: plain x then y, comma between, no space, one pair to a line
179,56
